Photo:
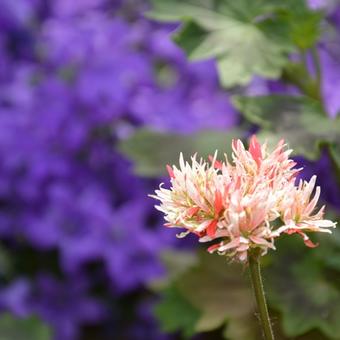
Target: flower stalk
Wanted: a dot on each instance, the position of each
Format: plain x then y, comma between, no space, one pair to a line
255,273
241,207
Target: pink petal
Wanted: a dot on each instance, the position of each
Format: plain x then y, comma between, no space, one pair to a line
255,150
232,244
218,202
216,164
211,229
170,171
192,211
214,247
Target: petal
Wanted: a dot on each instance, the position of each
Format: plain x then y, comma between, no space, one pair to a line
170,171
192,211
215,163
259,240
218,205
255,150
325,223
211,228
213,248
183,234
232,244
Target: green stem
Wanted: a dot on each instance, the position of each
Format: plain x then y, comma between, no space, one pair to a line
304,60
298,75
255,271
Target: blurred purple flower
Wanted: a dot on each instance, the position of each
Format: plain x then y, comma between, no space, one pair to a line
65,305
74,78
15,298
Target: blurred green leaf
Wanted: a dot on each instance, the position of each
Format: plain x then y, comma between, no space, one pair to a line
304,28
230,31
296,73
246,327
299,23
300,288
151,151
23,329
176,262
301,121
176,313
218,291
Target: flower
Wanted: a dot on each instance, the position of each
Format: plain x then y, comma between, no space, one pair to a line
298,212
241,203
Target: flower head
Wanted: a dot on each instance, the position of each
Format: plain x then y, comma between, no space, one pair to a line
236,203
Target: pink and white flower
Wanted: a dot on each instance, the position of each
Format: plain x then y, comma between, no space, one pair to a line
236,203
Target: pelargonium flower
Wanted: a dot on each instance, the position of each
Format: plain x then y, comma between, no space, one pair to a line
244,204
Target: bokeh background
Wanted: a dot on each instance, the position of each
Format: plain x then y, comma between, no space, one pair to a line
90,90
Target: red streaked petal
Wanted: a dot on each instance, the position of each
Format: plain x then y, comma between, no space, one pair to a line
211,228
170,171
192,211
218,202
306,239
216,164
199,233
255,150
310,244
212,248
238,183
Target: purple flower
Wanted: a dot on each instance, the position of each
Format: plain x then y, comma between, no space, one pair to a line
65,305
129,244
76,76
15,298
331,79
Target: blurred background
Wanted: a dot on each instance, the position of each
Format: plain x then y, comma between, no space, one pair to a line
95,100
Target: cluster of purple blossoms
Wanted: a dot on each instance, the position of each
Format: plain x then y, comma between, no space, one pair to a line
75,78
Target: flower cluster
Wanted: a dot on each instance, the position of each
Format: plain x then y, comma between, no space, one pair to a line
243,204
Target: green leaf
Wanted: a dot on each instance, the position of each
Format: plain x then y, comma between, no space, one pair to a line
296,73
151,151
221,293
298,23
299,286
209,294
230,31
176,262
175,313
301,121
23,329
245,327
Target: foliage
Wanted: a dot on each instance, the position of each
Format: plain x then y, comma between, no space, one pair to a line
275,40
177,313
302,288
213,294
293,118
151,150
232,31
23,329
